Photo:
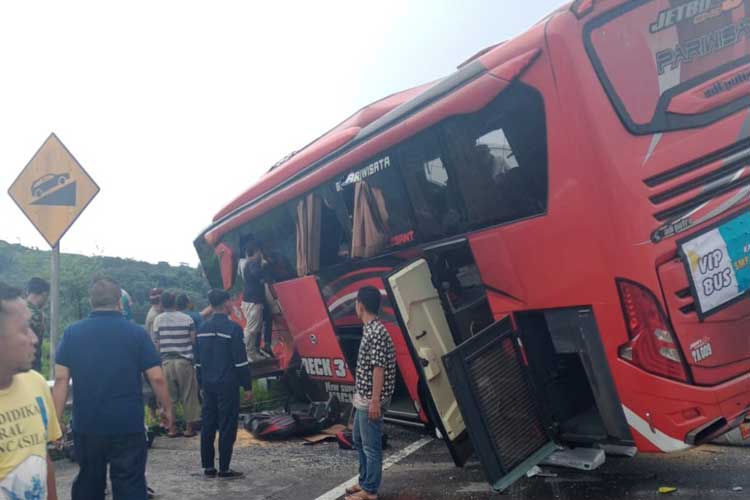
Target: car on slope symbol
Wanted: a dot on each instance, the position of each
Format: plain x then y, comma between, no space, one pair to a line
47,182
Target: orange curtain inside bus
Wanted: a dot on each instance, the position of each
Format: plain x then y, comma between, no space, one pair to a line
370,221
308,221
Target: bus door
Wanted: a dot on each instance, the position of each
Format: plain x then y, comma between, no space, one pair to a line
480,389
314,336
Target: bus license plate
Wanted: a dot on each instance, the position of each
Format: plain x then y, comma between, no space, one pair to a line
717,261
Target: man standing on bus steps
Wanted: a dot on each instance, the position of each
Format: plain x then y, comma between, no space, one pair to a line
221,361
253,297
375,383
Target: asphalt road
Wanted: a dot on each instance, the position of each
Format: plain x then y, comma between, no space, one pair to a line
291,470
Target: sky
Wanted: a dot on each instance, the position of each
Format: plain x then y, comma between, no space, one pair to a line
176,107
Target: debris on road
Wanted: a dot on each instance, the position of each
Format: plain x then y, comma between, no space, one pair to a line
537,471
665,490
619,450
328,434
283,425
577,458
533,471
737,488
739,436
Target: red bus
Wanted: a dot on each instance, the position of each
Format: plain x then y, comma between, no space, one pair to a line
560,231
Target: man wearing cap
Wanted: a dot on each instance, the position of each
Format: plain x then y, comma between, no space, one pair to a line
222,366
154,297
36,298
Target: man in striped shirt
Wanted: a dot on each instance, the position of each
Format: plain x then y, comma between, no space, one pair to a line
174,335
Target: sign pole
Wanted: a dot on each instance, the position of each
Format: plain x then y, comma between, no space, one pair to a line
54,306
52,190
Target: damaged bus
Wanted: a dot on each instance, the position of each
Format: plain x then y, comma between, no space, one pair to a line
560,231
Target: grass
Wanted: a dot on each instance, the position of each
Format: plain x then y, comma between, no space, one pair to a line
263,400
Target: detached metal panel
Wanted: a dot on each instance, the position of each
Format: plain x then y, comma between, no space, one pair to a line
499,407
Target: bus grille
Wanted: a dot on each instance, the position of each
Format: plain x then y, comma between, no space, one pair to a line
689,187
506,403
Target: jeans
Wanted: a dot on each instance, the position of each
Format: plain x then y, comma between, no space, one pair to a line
126,456
368,440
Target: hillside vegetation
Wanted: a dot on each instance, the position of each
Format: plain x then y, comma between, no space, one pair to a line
18,264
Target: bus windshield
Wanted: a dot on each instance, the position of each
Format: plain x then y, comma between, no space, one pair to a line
648,53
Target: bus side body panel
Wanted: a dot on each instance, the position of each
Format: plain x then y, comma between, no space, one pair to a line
340,294
589,239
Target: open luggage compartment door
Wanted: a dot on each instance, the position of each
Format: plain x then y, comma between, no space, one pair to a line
490,382
422,314
310,324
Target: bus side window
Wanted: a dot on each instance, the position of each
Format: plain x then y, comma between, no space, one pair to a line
380,211
275,231
500,155
431,185
336,230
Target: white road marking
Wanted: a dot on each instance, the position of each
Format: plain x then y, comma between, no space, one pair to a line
389,462
475,488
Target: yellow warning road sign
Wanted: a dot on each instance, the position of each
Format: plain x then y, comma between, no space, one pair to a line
53,190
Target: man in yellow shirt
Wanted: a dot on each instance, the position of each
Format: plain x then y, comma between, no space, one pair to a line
27,415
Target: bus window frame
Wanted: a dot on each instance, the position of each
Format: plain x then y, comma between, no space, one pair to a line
395,149
435,135
662,121
394,152
499,121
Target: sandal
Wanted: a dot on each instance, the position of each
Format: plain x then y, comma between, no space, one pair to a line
189,434
175,435
353,489
361,495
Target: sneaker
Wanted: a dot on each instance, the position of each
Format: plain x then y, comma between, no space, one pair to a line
231,474
209,472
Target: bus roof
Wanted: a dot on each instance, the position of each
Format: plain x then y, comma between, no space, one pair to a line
320,147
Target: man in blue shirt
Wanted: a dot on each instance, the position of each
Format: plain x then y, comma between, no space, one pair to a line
185,305
221,361
106,355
